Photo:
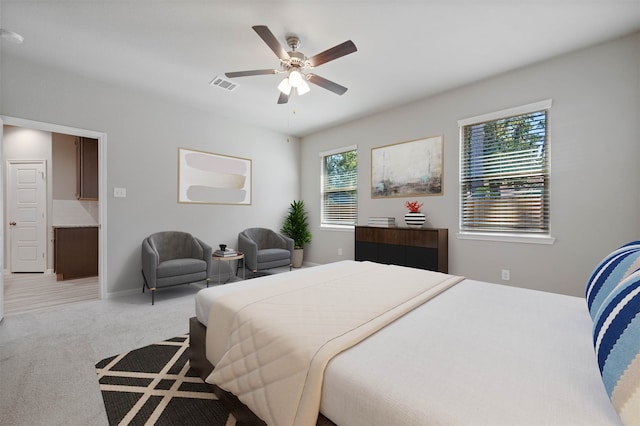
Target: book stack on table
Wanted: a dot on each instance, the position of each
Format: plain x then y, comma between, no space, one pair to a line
225,253
383,222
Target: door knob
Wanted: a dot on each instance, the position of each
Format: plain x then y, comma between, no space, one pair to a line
12,223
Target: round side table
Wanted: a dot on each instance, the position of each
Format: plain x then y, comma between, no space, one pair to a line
239,256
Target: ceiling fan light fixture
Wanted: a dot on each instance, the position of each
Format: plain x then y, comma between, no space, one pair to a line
303,88
285,86
295,78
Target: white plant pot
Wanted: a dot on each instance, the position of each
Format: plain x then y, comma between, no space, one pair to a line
297,257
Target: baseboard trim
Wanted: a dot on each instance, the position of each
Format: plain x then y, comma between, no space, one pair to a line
46,272
120,293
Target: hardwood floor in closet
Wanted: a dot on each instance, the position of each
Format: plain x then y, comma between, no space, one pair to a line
25,292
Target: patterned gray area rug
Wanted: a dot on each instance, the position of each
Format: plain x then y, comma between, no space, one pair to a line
155,385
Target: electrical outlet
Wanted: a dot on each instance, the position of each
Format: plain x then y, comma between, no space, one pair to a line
506,275
339,252
119,192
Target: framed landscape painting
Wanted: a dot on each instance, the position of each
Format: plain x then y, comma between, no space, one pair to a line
208,178
405,169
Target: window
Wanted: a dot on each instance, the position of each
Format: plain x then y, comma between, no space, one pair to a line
339,187
504,172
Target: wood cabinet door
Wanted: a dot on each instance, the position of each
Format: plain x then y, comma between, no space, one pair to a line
76,252
88,169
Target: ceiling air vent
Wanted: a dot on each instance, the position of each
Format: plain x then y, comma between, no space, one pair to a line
223,84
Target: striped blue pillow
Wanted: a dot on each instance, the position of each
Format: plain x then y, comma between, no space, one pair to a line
616,338
606,276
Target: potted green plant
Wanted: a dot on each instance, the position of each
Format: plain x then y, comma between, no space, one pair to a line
295,226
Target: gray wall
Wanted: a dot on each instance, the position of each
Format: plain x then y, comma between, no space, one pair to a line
143,136
595,145
595,141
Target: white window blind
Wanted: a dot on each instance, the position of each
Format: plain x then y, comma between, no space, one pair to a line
339,187
504,175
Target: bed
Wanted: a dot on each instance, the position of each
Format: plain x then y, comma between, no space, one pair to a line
471,353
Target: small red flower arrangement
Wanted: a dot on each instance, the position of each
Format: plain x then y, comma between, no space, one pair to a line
413,206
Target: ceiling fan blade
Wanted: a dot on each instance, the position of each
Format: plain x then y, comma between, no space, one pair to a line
283,99
334,53
326,84
271,40
248,73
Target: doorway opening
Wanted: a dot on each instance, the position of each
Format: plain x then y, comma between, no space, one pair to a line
65,208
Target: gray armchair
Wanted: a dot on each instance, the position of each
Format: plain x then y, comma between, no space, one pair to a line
173,258
265,249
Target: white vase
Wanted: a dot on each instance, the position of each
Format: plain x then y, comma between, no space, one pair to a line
298,255
414,220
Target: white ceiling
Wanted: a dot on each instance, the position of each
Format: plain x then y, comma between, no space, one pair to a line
407,49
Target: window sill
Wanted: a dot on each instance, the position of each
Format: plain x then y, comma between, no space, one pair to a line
340,228
507,238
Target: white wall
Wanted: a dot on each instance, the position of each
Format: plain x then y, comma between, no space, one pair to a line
595,146
144,134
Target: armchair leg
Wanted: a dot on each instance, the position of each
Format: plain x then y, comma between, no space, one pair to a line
153,290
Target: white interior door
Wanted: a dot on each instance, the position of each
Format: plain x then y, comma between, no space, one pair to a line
27,207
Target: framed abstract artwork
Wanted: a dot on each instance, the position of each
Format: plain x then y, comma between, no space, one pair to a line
406,169
208,178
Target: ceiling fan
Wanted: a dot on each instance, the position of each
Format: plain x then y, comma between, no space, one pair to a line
296,65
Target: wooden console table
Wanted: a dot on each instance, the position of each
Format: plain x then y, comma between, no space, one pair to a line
424,248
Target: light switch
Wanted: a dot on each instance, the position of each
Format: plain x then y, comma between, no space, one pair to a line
119,192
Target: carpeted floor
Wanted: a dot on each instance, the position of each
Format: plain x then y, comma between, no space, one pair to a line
155,384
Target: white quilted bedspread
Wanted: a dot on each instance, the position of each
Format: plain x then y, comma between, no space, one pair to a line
284,333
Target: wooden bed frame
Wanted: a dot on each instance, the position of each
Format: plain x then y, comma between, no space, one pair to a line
201,365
